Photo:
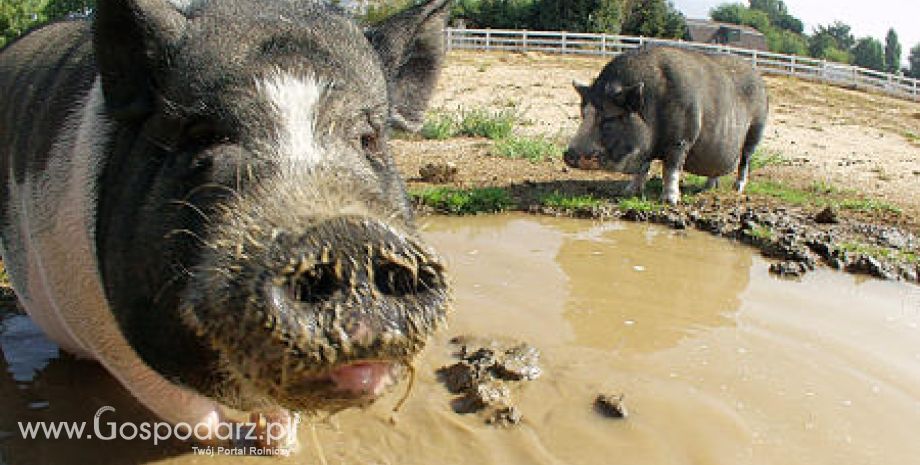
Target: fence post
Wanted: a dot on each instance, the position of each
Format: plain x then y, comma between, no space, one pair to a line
524,40
754,58
488,40
449,39
603,44
564,42
792,66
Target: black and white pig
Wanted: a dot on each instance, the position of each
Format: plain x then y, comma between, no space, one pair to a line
199,195
701,113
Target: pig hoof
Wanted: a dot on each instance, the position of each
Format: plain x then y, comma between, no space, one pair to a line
670,198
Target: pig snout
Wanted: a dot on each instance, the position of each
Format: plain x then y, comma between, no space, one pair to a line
575,159
326,317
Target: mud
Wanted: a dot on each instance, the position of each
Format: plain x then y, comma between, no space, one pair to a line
720,362
486,373
796,240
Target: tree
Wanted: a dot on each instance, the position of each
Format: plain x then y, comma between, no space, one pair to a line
914,60
868,54
654,18
55,9
736,13
779,15
892,52
787,42
841,34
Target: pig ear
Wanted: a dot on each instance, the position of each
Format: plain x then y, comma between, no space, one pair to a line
132,40
411,48
581,89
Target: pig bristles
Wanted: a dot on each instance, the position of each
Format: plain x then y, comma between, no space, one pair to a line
316,443
405,397
194,208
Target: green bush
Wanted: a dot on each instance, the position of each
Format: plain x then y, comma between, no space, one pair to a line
528,148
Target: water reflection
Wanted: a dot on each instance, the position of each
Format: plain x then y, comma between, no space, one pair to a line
644,292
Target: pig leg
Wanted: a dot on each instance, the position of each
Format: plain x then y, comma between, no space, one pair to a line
747,152
636,186
673,164
712,183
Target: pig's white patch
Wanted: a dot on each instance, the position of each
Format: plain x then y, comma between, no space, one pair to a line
63,289
295,100
187,6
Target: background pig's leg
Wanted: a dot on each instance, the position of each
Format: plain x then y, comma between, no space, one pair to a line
637,185
712,183
747,152
673,164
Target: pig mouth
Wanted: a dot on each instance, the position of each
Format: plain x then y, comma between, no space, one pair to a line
323,320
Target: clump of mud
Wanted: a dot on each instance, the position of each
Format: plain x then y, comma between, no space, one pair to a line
611,405
438,173
486,373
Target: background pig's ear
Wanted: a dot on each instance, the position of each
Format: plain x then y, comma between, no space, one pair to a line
581,89
132,40
411,48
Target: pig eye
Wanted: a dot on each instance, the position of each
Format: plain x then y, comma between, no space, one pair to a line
202,134
370,142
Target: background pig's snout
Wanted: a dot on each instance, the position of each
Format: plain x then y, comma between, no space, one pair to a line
571,158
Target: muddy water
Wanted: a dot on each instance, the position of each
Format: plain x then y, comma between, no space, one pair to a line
720,363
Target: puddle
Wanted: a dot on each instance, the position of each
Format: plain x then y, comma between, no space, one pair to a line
720,363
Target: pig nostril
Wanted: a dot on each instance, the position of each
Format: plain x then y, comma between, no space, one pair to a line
399,280
315,285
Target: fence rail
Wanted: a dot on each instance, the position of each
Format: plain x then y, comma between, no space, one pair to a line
572,43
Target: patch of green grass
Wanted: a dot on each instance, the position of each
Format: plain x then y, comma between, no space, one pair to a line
570,202
912,137
465,201
529,148
639,205
761,233
477,122
868,205
439,126
480,122
778,191
763,158
879,252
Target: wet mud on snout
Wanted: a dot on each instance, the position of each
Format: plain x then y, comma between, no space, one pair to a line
719,361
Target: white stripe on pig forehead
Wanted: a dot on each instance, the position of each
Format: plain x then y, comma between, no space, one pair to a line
294,99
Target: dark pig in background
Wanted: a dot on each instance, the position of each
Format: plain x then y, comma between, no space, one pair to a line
199,195
701,113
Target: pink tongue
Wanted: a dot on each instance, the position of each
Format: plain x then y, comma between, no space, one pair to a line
363,378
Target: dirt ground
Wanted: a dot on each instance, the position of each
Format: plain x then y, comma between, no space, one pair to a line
848,139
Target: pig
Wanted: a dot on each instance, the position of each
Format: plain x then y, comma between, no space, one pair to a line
701,113
199,195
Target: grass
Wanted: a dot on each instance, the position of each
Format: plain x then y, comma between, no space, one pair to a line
4,279
821,195
763,158
465,201
761,233
869,205
571,202
477,122
528,148
439,126
912,137
879,252
639,205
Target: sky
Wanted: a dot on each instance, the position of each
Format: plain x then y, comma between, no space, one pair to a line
866,18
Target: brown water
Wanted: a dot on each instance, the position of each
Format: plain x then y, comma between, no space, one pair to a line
720,362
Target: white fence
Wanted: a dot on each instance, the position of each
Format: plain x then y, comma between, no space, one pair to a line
610,45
